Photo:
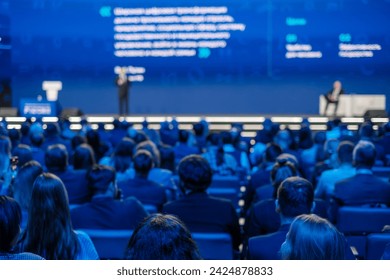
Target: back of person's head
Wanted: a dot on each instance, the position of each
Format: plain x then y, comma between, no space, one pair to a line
364,154
313,238
226,137
24,154
305,137
272,151
195,173
366,130
101,178
143,162
49,232
5,154
77,140
52,129
23,183
152,149
10,219
320,137
283,138
123,154
56,158
198,129
140,136
282,170
330,146
213,139
295,197
25,128
345,151
167,157
36,139
183,136
83,157
162,237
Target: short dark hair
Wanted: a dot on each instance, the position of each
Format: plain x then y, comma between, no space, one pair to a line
162,237
364,154
344,151
143,162
282,170
272,151
56,158
183,136
10,218
83,157
195,173
100,177
24,154
295,197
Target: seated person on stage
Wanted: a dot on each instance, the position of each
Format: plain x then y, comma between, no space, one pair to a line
162,237
313,238
199,211
106,210
364,188
145,190
75,181
10,219
295,197
332,96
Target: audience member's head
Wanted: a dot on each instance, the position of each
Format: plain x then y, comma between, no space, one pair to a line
101,179
77,140
52,129
5,154
123,154
195,173
56,158
167,157
162,237
49,231
295,197
282,170
284,139
272,151
153,150
83,157
10,219
345,151
364,154
24,181
143,163
183,136
313,238
24,154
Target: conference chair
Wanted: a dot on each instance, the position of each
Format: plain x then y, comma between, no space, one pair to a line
214,246
358,222
110,244
376,244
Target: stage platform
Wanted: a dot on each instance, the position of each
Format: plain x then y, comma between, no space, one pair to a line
251,123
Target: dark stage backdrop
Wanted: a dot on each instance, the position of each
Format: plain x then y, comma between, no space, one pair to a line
200,57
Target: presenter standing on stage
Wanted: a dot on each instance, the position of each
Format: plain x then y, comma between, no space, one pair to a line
123,83
332,96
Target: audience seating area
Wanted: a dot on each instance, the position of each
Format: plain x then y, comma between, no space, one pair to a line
247,141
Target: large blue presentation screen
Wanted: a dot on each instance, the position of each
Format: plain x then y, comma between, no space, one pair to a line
241,57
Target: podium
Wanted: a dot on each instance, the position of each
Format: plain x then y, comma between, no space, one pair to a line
30,107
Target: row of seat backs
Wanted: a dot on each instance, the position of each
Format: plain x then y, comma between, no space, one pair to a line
111,244
358,223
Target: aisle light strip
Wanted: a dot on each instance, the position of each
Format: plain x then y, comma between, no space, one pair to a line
287,119
15,119
352,120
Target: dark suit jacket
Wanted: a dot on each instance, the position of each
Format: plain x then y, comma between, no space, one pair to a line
267,247
203,213
107,213
76,184
144,190
362,189
359,190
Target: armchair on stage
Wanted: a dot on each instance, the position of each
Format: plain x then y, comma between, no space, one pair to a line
42,107
351,105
